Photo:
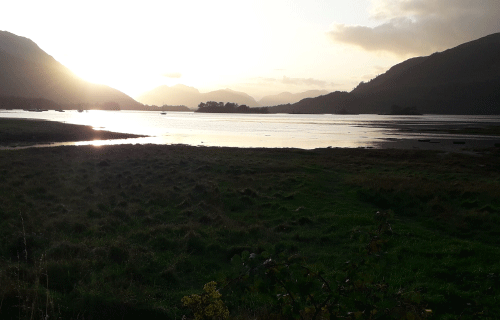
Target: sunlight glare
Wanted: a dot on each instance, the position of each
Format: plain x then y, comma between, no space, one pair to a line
112,121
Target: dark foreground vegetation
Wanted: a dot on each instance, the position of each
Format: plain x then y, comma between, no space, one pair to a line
139,231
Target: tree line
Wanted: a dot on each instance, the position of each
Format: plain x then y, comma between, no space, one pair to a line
229,107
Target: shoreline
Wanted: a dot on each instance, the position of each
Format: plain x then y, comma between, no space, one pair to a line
17,134
468,146
446,145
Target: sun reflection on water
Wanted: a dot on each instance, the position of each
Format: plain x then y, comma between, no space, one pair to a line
112,121
251,130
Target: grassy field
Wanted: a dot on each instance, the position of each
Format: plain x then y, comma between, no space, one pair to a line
107,232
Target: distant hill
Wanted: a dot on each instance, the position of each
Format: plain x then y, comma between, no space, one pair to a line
191,97
461,80
9,102
227,95
176,95
334,102
29,72
287,97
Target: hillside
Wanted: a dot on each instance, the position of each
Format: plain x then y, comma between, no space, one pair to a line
29,72
461,80
191,97
287,97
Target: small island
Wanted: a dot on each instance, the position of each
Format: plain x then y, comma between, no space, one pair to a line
229,107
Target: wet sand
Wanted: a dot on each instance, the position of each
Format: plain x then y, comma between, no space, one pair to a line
22,133
469,145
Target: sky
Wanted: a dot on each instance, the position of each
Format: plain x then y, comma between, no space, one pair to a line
260,47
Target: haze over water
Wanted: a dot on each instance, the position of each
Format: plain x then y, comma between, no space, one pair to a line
305,131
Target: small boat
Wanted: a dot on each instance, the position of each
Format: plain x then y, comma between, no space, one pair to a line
163,112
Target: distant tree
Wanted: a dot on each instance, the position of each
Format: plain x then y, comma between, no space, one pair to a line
229,107
243,108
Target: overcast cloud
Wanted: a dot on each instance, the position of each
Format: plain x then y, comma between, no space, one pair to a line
306,81
297,81
421,27
173,75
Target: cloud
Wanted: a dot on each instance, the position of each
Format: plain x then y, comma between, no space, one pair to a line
304,81
297,81
421,27
173,75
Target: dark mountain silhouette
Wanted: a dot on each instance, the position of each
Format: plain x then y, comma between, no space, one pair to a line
9,102
191,97
461,80
334,102
287,97
29,72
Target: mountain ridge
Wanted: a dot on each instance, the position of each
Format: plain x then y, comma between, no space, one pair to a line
460,80
29,72
189,96
192,97
288,97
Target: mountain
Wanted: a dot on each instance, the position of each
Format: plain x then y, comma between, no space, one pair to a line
227,95
191,97
176,95
29,72
287,97
460,80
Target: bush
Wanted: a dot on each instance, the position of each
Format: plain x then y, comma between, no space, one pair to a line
208,305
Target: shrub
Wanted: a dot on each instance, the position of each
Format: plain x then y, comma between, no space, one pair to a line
208,305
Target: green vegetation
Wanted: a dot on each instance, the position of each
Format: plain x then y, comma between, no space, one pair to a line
207,306
104,232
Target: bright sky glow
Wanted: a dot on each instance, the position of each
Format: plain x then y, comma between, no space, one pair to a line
260,47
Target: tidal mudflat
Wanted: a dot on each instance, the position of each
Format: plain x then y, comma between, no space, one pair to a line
23,132
129,230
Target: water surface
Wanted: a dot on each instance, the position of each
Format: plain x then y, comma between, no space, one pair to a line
305,131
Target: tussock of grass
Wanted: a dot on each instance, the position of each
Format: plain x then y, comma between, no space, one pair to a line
133,229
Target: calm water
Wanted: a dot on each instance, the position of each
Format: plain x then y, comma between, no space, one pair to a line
261,130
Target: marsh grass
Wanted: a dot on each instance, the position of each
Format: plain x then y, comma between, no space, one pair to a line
133,229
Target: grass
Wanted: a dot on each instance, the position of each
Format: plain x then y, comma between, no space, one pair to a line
105,232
